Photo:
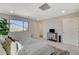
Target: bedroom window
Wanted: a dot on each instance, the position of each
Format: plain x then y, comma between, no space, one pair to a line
17,25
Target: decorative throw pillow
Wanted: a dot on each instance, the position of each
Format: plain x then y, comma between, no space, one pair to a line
19,46
7,46
2,51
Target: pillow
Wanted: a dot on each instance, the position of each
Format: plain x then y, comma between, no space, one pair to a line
2,51
19,46
13,49
7,46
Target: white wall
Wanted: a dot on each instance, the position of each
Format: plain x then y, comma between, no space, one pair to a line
36,28
70,30
57,24
34,31
52,24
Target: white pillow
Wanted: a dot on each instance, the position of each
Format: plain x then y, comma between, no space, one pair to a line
15,48
19,46
2,51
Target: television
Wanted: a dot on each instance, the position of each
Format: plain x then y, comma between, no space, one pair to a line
52,30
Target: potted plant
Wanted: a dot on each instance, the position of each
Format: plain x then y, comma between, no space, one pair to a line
4,28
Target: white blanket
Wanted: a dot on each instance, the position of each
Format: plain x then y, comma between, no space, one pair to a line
36,47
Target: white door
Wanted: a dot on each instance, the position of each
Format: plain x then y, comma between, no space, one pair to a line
70,31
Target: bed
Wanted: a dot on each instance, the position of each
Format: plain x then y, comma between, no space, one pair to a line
40,47
32,46
35,47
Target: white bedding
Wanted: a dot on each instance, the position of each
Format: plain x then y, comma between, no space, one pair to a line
35,47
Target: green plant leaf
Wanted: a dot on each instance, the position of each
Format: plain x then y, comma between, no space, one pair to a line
4,27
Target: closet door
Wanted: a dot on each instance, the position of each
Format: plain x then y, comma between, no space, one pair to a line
70,31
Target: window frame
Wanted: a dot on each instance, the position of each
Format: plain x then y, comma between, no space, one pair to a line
26,20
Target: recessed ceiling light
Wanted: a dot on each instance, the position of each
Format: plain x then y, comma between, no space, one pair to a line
63,11
11,11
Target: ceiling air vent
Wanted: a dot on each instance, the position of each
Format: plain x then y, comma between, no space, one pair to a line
44,7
